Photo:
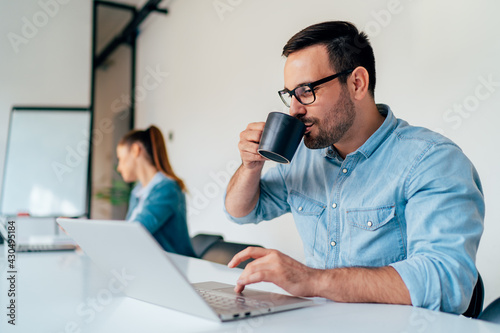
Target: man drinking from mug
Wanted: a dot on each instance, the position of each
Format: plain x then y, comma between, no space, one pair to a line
387,212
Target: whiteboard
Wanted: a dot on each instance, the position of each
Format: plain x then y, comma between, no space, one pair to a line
47,161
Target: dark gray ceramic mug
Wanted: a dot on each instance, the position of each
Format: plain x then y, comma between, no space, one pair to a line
281,137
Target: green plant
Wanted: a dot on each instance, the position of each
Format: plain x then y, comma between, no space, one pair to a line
117,194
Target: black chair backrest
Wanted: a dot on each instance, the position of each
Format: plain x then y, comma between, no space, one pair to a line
492,312
202,242
214,248
476,302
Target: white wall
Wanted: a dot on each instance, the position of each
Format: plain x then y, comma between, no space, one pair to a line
45,53
224,68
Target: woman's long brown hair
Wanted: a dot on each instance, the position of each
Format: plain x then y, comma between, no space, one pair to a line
156,151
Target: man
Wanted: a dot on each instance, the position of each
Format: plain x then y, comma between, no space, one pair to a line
387,212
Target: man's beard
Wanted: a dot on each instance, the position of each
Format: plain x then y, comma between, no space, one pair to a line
338,120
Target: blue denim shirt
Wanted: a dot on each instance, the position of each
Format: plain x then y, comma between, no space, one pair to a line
408,198
161,207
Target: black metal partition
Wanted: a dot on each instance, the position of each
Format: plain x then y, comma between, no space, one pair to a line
108,52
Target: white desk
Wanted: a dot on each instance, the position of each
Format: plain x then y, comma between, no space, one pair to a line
65,292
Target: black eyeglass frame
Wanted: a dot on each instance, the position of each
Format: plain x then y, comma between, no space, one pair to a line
311,86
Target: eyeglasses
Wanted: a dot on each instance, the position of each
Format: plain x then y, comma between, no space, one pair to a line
305,93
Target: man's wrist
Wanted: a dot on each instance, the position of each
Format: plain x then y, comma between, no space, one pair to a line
252,169
320,282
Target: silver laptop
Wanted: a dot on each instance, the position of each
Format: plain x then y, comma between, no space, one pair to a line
129,247
24,242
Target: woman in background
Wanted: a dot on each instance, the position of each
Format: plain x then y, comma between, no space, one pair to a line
158,200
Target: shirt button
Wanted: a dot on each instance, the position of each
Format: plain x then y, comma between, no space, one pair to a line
344,170
333,243
334,205
369,223
300,209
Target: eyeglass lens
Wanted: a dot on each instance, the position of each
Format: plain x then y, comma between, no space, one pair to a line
304,95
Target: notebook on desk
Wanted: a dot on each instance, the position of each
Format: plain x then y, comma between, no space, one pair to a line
128,248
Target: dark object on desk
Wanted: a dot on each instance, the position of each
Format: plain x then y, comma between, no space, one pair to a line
476,302
214,248
492,312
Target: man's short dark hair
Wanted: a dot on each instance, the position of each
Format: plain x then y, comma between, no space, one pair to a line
347,47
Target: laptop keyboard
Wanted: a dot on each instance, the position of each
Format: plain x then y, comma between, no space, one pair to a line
43,247
231,303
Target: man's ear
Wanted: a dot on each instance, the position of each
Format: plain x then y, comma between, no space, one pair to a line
359,79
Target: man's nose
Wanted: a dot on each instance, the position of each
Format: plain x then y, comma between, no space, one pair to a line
296,108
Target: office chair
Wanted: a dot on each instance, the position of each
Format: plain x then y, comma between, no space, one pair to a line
214,248
202,242
476,302
492,312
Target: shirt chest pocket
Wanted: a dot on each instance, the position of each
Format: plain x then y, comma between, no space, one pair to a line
374,236
305,206
307,214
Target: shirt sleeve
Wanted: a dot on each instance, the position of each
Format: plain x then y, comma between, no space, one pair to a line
444,221
159,206
272,198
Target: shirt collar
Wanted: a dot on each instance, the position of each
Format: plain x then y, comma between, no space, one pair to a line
331,152
375,140
140,191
